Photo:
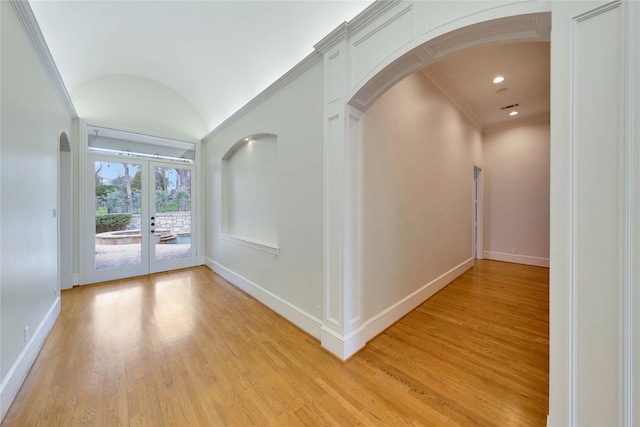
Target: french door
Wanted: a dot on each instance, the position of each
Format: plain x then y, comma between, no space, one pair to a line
139,217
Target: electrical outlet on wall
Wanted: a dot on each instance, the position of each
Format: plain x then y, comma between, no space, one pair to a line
514,250
26,334
318,311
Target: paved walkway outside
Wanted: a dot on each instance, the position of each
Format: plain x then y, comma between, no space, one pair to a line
111,256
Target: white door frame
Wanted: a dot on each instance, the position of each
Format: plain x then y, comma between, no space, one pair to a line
478,206
91,274
148,263
172,264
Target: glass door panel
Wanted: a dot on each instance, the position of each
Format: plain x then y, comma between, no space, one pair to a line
116,243
172,217
139,218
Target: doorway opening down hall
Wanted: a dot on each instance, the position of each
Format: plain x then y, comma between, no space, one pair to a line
425,139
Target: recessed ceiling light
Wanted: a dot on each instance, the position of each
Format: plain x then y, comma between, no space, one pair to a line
513,113
498,79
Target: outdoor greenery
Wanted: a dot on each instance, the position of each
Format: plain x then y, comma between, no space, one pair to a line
112,222
123,193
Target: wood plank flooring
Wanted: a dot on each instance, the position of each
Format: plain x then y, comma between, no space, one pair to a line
186,348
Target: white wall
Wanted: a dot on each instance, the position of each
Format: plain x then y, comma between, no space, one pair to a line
516,194
32,119
418,179
290,282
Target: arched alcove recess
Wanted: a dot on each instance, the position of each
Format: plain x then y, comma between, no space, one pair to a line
65,207
64,143
249,192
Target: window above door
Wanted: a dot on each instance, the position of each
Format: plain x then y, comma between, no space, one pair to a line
110,141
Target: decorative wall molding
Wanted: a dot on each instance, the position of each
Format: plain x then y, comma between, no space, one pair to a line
631,297
596,200
16,375
517,259
379,84
427,48
305,321
299,69
31,27
526,28
365,18
269,247
387,35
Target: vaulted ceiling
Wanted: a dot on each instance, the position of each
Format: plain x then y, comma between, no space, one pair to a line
216,54
220,54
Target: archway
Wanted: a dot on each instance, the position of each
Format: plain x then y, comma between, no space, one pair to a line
396,41
593,74
65,207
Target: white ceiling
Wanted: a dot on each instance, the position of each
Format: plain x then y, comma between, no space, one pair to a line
220,54
216,54
466,78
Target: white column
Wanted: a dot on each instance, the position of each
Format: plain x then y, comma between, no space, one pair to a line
593,260
342,311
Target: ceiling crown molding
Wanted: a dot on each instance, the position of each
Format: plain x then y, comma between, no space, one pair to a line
301,68
346,29
31,27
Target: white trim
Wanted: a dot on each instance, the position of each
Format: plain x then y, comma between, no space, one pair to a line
477,219
388,317
77,281
518,259
626,159
633,288
270,247
31,27
347,346
300,318
523,121
343,347
364,18
299,69
16,375
435,75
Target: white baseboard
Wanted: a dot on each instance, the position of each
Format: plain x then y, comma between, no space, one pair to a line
341,346
12,382
377,324
345,347
515,258
308,323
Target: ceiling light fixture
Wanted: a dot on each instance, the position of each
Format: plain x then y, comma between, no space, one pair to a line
498,79
513,113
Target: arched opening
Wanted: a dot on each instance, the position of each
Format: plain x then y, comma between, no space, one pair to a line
65,207
420,150
395,278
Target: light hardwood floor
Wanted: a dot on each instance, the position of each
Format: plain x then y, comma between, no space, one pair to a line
186,348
